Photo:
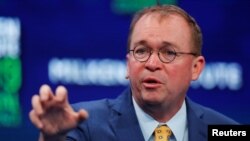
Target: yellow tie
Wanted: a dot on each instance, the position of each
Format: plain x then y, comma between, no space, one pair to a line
162,133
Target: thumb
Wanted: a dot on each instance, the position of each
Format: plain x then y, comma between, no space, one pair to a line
82,115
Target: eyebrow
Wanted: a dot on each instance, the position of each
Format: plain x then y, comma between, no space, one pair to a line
164,43
141,42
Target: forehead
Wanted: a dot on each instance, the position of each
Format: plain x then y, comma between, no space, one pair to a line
154,29
161,18
161,26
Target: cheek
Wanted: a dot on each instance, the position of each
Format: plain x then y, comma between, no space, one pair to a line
133,68
179,74
134,75
133,72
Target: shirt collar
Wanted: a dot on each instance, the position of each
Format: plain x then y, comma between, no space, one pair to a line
146,122
178,123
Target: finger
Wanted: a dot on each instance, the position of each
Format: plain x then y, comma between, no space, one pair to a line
82,115
36,104
35,120
61,94
45,93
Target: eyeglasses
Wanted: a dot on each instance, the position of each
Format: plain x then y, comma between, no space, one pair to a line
166,54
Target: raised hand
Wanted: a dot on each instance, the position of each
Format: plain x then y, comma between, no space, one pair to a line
52,113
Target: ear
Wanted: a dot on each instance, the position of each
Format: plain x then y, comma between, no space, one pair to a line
127,73
198,66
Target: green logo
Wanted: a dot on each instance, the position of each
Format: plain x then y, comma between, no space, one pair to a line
10,82
131,6
10,72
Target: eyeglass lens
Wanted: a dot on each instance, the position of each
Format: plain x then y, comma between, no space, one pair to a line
142,53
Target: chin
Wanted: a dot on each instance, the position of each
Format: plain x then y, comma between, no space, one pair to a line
152,99
152,103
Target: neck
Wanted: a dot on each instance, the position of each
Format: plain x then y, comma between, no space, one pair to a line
162,113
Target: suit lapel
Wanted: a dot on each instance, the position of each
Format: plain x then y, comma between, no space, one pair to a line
197,129
125,125
124,121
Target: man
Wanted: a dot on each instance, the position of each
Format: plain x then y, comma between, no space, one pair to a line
164,56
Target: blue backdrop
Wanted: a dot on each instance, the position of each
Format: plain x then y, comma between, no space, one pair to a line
82,44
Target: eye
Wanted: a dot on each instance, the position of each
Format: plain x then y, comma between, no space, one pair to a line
171,52
167,51
140,50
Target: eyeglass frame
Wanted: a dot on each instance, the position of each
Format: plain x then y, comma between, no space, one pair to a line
159,52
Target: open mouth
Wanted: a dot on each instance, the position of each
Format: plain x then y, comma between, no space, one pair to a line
151,83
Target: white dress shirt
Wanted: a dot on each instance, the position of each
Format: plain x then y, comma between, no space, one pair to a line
178,124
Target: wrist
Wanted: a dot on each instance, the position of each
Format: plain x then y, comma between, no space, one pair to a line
57,137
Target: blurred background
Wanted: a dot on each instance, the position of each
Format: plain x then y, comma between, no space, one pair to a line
82,44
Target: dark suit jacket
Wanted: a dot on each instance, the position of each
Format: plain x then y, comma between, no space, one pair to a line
115,120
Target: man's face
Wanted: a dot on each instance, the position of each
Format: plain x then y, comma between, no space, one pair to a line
154,82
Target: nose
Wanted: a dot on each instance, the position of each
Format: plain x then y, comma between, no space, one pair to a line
153,63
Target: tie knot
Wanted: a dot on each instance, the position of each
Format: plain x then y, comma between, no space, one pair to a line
162,133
